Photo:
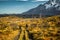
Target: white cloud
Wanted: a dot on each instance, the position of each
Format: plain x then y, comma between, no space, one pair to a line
24,0
41,0
21,0
32,0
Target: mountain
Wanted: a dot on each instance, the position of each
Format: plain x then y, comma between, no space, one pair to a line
51,7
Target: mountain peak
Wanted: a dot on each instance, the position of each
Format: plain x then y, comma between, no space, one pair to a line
52,7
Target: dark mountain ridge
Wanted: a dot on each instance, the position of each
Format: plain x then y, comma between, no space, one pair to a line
52,7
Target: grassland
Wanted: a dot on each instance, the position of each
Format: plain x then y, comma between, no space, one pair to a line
15,28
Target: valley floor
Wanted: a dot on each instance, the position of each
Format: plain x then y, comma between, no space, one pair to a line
15,28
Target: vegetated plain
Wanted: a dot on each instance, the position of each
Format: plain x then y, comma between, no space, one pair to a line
16,28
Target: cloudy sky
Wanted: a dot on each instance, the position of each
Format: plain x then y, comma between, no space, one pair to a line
32,0
23,0
18,6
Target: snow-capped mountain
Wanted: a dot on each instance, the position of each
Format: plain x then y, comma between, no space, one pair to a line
51,7
52,3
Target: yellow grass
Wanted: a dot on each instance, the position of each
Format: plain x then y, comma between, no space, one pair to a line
41,28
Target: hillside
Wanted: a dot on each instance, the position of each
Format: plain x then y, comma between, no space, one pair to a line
50,8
